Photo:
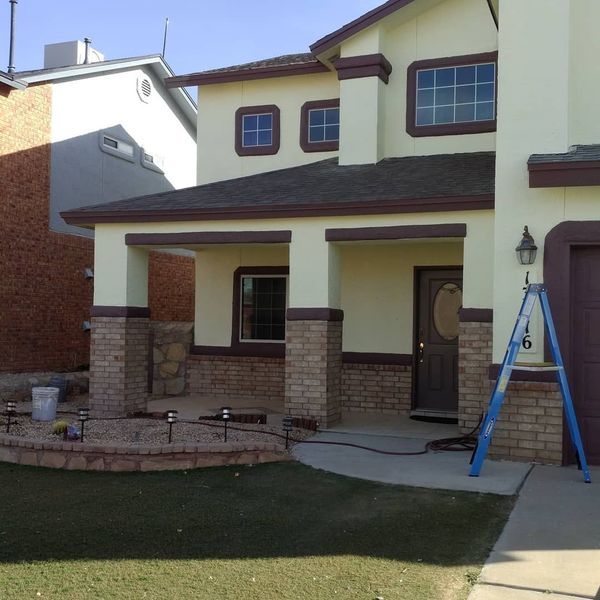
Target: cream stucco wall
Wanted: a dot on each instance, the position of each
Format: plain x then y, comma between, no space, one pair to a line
217,159
546,92
321,274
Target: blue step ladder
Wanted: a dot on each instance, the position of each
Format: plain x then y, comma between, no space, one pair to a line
534,291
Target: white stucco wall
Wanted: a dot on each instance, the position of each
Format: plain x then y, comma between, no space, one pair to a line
84,107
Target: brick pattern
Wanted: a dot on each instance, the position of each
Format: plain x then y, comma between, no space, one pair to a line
384,389
251,377
530,424
313,370
119,366
43,293
87,457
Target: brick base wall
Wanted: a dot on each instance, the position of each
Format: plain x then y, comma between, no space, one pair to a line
118,366
252,377
530,423
380,389
313,370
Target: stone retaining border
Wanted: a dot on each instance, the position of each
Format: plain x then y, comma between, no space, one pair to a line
92,457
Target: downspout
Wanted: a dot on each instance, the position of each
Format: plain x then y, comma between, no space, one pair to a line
13,25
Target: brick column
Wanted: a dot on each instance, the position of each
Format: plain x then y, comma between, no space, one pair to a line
119,361
313,364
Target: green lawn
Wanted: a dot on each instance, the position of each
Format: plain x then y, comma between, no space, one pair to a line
272,531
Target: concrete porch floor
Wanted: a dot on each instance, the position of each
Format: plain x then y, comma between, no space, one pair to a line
398,433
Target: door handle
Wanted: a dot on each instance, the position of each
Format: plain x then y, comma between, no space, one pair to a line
421,351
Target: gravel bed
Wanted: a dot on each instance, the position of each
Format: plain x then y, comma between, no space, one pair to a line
150,432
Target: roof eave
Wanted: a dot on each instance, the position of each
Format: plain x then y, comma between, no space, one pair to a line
403,205
16,84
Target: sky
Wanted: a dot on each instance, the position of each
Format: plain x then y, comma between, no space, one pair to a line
203,34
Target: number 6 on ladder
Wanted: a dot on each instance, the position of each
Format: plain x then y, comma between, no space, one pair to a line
534,291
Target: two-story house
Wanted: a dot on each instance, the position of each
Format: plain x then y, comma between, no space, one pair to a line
358,214
82,130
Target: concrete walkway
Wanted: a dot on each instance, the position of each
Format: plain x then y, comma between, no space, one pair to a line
444,470
550,547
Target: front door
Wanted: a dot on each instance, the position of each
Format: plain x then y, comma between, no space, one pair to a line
439,300
585,348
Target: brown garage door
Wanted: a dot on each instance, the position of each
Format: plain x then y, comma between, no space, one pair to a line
585,345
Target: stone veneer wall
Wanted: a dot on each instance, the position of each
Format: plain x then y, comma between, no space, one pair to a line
313,370
374,388
251,377
170,349
118,366
530,423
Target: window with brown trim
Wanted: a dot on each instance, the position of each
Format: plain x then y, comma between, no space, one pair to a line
320,125
452,96
257,130
259,310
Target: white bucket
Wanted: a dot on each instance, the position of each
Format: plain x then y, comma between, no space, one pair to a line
44,401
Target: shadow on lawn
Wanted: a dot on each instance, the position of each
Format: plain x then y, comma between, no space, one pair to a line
277,510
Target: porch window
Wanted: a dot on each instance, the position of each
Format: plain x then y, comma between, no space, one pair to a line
257,130
452,96
263,305
320,125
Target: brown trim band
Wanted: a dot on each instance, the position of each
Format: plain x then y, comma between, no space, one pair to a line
564,174
314,314
415,130
275,350
130,312
476,315
208,237
273,147
524,376
377,358
245,74
408,205
305,144
352,28
367,65
400,232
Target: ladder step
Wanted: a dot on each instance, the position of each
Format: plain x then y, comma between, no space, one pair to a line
543,366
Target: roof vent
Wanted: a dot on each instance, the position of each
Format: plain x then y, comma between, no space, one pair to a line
144,88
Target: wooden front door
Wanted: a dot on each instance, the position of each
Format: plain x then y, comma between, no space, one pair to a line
585,348
438,302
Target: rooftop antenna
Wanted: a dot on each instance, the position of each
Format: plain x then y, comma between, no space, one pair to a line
86,59
165,37
13,23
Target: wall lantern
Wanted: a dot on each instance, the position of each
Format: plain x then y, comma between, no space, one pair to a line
526,250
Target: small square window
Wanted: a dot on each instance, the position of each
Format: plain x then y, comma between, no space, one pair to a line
446,99
257,130
320,126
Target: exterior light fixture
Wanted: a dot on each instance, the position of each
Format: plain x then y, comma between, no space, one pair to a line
226,416
288,423
526,250
84,415
171,418
86,326
88,273
11,409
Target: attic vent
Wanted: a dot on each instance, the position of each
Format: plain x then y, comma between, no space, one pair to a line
144,88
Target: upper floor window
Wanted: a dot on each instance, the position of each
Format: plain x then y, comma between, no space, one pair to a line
320,125
257,130
116,147
452,96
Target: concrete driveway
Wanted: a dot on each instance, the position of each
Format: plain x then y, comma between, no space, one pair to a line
550,547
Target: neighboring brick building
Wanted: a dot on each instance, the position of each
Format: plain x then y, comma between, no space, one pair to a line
44,294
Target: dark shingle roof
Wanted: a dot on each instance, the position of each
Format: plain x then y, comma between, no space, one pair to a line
408,181
575,154
277,61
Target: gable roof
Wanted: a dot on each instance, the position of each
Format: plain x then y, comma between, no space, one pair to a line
394,185
9,80
154,61
278,66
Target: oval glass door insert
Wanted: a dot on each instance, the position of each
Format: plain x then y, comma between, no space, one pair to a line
446,305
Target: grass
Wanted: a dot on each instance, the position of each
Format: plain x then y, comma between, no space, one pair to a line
281,531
